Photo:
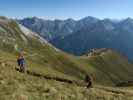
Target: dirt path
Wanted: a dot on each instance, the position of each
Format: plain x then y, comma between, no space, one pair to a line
78,83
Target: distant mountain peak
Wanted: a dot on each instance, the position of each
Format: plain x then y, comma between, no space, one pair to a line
70,20
128,20
89,19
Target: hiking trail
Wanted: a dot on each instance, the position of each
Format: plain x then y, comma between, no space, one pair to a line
78,83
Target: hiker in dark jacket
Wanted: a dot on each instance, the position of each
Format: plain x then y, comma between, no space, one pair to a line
21,61
88,80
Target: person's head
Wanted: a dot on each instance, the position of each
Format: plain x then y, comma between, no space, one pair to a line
21,50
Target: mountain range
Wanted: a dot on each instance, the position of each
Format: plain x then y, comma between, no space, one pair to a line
51,29
80,36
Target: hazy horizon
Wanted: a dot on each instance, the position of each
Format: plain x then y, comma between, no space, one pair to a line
52,19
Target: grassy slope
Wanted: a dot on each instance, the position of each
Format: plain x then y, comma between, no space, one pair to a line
109,68
18,86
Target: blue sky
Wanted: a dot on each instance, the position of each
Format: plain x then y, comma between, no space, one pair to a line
62,9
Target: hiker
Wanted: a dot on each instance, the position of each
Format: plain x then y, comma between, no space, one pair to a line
88,80
21,61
